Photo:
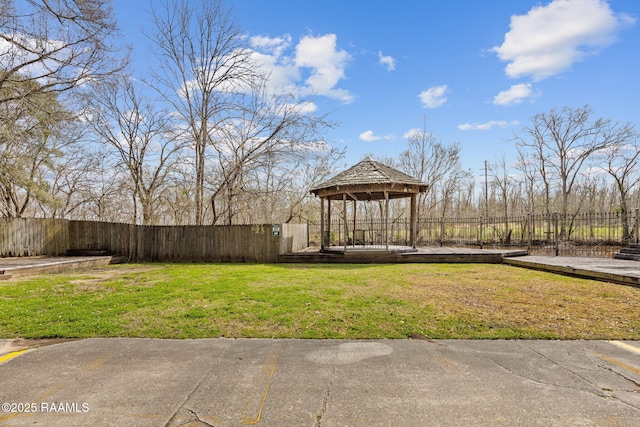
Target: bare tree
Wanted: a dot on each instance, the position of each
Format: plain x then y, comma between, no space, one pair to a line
107,188
503,185
435,163
562,141
176,201
620,161
531,180
269,131
202,64
279,189
141,136
58,44
70,183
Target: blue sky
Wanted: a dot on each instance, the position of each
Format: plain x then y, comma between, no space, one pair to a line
476,70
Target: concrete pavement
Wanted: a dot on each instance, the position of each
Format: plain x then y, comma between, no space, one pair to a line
321,383
620,271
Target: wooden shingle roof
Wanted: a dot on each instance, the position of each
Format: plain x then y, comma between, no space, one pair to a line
369,180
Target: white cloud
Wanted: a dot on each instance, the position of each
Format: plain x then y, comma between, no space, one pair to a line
326,63
389,61
412,132
549,39
488,125
274,45
370,136
434,96
314,66
307,107
282,74
514,95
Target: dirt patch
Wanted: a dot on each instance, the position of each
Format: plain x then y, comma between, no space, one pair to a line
99,276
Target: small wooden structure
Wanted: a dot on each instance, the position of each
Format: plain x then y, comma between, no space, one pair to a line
366,181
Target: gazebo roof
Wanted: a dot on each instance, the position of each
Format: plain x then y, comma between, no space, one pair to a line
370,180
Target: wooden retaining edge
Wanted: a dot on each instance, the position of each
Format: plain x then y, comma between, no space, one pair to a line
576,272
62,266
451,258
381,257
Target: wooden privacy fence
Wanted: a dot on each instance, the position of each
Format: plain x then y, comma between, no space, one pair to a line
235,243
27,237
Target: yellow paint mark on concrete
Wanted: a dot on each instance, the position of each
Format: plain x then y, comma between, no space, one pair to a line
86,370
8,417
447,364
3,359
619,363
94,364
11,355
253,410
624,345
48,393
363,421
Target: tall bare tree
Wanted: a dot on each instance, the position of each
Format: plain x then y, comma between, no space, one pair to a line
503,185
620,161
531,180
202,64
435,163
268,132
562,141
142,137
70,181
278,191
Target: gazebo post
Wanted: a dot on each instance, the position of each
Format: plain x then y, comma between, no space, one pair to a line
322,224
328,223
386,220
354,222
413,228
346,229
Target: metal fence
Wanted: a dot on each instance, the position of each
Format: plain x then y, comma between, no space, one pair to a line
586,234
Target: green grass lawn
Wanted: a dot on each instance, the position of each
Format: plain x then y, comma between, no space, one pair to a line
317,301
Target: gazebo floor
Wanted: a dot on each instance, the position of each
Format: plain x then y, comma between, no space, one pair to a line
396,249
399,254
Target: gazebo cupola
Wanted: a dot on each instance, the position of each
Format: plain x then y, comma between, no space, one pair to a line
368,180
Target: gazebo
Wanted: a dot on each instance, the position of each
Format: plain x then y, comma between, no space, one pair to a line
367,181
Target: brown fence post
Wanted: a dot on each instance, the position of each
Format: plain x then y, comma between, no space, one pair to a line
481,232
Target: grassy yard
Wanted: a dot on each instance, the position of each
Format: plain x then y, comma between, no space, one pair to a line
317,301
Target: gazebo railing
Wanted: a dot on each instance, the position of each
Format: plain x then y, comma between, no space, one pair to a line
363,234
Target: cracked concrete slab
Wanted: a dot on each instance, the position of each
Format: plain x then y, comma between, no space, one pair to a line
228,382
